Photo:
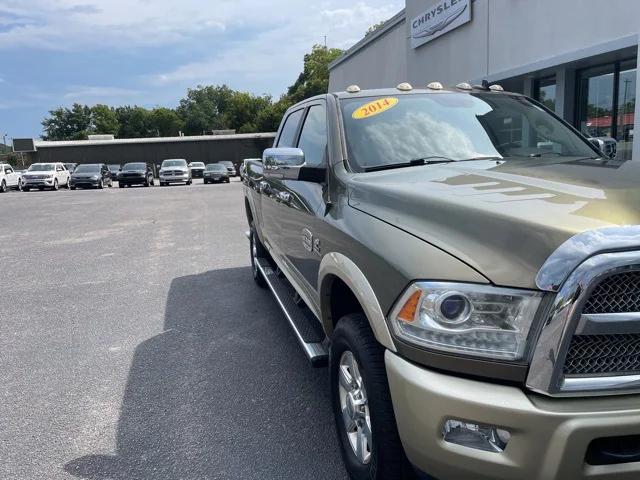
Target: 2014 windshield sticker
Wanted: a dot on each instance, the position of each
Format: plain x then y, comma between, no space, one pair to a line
374,108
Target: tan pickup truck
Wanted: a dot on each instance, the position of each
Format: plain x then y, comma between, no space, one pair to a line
468,265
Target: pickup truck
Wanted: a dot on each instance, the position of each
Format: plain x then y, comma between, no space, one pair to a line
468,265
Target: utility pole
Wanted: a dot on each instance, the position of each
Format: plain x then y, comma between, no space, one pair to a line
325,41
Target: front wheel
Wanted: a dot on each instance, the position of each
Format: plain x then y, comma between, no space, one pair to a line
257,251
365,421
56,186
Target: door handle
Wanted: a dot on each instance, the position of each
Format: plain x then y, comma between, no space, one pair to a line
284,197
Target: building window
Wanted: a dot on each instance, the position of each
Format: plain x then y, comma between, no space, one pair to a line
545,92
606,104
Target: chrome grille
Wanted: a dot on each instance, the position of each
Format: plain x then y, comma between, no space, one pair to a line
603,354
619,293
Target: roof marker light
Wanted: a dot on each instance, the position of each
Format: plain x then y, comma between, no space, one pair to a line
435,86
496,88
404,87
353,89
464,86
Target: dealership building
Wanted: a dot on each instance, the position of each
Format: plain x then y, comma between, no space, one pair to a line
579,57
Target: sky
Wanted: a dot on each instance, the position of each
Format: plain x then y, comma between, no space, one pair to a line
149,52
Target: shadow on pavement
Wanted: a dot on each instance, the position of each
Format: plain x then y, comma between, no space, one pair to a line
223,392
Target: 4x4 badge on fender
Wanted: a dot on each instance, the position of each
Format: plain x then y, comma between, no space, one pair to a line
310,243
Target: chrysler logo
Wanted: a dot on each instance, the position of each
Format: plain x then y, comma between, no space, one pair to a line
449,14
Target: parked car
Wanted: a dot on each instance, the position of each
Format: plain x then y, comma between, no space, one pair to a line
46,175
114,168
230,168
197,169
9,178
475,295
136,173
71,167
216,173
91,175
243,167
175,171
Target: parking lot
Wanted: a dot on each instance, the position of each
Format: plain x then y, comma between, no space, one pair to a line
135,344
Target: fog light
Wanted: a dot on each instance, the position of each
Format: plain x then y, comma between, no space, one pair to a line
481,437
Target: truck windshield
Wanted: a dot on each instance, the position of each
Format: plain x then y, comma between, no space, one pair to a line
457,126
134,166
174,163
41,167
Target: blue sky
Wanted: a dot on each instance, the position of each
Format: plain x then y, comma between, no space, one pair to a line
148,52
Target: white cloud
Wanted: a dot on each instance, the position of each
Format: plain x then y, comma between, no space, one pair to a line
92,94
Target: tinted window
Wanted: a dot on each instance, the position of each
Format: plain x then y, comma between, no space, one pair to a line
458,126
135,166
91,168
288,134
313,138
174,163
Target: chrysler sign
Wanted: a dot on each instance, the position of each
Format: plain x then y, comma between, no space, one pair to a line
441,18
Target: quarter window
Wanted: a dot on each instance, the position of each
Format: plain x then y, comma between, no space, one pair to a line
313,138
289,130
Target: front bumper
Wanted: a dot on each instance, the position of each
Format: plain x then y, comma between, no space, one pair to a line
197,173
549,437
174,178
133,180
84,183
33,182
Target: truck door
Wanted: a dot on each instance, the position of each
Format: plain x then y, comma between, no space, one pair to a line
271,185
11,176
298,202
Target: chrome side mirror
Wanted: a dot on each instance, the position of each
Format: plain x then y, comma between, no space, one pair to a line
283,162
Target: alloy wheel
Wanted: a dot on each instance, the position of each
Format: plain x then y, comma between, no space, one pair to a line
355,407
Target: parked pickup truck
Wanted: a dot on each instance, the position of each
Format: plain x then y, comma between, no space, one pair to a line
469,266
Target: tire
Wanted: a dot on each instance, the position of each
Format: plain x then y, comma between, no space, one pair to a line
205,181
68,185
101,184
56,186
146,182
3,186
25,189
228,180
189,182
353,338
256,249
19,186
72,188
120,185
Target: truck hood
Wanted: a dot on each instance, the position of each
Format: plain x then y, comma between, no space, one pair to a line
502,218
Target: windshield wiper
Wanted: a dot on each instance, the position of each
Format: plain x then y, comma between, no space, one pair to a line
430,160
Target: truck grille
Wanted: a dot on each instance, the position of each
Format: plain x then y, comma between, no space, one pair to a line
617,294
603,354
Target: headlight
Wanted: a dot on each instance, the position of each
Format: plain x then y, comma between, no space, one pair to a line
469,319
95,177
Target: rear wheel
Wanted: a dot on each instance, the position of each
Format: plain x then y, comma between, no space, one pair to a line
3,186
120,185
257,251
361,400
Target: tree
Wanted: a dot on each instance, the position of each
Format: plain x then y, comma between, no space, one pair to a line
104,120
314,78
166,122
135,122
68,124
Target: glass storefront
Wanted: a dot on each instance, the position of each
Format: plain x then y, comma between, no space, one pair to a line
606,104
545,92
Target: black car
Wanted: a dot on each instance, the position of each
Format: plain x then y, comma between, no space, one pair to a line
215,173
136,173
91,175
197,169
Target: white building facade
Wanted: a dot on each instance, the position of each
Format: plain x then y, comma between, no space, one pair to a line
579,57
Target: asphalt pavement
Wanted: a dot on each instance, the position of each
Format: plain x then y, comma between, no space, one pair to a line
134,344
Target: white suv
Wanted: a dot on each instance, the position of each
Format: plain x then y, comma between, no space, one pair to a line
9,178
46,175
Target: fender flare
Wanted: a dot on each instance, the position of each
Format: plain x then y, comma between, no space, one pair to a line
340,266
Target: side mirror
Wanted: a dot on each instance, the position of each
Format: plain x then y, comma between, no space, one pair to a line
283,162
607,146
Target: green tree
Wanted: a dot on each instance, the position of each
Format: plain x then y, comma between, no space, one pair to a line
135,122
166,122
68,124
104,120
314,79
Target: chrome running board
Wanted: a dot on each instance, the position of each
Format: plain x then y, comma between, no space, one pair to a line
307,329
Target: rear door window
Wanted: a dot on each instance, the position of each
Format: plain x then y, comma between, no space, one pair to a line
289,130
